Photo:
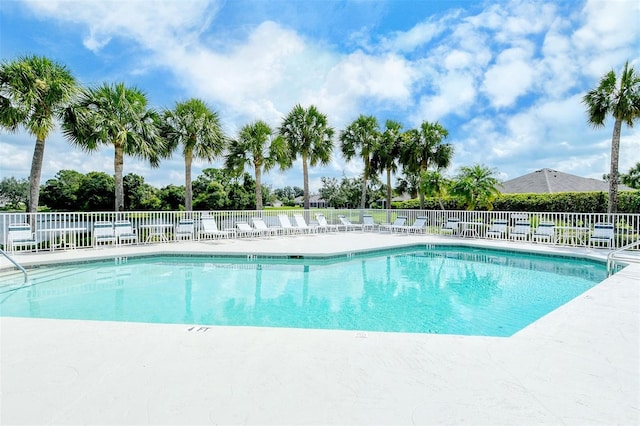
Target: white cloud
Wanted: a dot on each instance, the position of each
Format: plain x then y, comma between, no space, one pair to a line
511,77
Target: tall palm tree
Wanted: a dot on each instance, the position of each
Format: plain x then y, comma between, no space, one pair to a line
387,153
257,147
33,91
115,115
477,185
622,100
308,135
423,149
361,138
197,129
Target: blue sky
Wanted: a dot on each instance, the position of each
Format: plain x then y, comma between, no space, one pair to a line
505,78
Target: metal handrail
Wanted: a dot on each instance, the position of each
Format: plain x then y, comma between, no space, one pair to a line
12,260
611,257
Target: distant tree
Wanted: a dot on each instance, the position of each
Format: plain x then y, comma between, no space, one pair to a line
195,127
621,99
115,115
256,147
96,192
361,138
172,197
409,184
139,195
14,192
387,154
477,185
632,177
423,149
33,90
331,193
309,136
434,184
215,189
61,192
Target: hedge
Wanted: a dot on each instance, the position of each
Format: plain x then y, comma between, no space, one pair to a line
578,202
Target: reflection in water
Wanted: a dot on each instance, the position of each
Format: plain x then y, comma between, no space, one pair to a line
435,291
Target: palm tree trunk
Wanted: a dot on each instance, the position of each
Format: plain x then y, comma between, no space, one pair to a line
305,174
613,173
388,206
188,190
258,172
34,177
365,176
118,161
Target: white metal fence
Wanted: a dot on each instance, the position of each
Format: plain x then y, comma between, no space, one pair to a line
75,230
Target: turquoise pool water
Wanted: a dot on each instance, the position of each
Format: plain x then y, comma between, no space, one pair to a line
449,290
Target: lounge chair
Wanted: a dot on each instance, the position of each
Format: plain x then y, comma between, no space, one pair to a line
103,233
544,232
125,233
451,226
498,229
521,230
184,230
602,233
20,235
286,226
324,225
210,228
396,225
302,224
348,225
260,225
244,229
417,226
368,223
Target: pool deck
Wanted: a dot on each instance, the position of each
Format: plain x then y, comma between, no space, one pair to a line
577,365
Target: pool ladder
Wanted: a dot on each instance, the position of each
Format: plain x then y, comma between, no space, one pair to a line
617,255
17,265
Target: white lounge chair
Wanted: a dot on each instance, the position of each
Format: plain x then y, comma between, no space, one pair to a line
125,233
286,225
20,235
244,229
302,224
324,225
184,230
396,225
368,223
260,225
451,226
103,233
417,226
498,229
348,225
544,232
521,230
603,233
210,228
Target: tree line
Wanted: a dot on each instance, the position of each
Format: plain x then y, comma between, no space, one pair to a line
35,92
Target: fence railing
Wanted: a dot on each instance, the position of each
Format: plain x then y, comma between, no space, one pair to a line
75,229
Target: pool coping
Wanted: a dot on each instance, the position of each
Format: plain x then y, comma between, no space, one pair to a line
578,364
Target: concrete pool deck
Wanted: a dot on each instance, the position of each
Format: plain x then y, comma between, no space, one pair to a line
577,365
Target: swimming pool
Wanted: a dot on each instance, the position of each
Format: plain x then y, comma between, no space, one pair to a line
439,289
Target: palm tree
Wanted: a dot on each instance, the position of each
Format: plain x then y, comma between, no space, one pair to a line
622,100
255,146
115,115
387,152
308,135
33,91
423,149
632,178
361,138
197,129
477,185
434,184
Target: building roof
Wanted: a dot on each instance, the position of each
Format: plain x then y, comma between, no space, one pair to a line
547,181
